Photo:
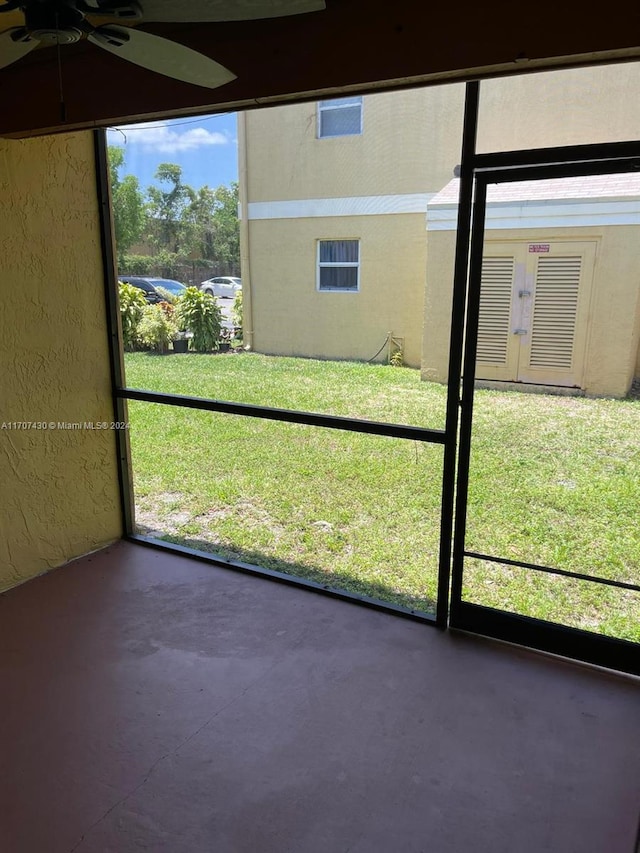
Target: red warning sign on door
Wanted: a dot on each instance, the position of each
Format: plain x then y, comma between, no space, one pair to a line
539,247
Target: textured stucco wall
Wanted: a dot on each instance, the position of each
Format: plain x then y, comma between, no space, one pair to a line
613,325
637,324
410,143
297,319
59,492
411,139
573,106
437,306
615,319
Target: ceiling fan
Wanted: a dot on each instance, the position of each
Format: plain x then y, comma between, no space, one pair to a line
60,22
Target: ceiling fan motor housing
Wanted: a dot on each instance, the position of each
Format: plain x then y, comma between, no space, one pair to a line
53,22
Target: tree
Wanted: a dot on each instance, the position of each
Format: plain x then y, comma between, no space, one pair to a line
183,225
129,215
200,215
227,227
214,227
169,209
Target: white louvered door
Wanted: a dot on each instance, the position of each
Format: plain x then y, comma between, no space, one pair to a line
553,350
497,355
534,310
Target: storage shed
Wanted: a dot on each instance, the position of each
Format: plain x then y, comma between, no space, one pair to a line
560,299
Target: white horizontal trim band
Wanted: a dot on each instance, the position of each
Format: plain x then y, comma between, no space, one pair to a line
364,205
542,214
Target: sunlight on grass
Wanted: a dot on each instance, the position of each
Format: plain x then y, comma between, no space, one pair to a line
352,389
554,481
355,511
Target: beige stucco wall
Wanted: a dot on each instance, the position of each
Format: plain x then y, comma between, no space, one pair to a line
569,107
614,318
410,143
637,325
411,139
59,493
296,319
437,306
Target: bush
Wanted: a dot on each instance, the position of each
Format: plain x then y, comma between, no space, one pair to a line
236,313
132,305
157,327
137,265
199,313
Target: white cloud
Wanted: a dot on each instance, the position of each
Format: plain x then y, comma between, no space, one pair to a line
167,140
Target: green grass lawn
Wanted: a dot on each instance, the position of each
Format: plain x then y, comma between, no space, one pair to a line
554,480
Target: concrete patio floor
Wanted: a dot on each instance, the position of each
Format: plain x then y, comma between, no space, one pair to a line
152,702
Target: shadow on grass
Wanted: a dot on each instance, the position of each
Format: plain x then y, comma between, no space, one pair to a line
372,592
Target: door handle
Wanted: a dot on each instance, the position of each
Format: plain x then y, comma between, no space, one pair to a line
520,331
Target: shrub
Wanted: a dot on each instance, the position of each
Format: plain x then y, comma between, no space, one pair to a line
169,309
137,265
157,327
200,314
236,313
132,305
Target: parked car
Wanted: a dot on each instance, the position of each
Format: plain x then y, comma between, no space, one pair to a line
150,285
222,285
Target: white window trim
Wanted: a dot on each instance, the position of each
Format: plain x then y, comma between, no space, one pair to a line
320,264
331,105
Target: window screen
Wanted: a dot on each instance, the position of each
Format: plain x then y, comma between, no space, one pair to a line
340,117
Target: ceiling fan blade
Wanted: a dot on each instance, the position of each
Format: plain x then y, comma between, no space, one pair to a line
162,56
226,10
11,48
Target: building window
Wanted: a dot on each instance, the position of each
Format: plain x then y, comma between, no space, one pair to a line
340,117
338,265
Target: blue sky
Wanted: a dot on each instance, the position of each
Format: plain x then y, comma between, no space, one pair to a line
205,147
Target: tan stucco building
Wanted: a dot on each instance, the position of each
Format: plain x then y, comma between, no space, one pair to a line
349,214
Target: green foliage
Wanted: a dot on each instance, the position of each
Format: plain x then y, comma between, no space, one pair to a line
200,314
396,352
129,215
137,264
214,230
168,209
236,312
227,226
132,305
183,224
157,328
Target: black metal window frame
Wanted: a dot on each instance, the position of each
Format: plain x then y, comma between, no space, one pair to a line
480,170
476,171
122,393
